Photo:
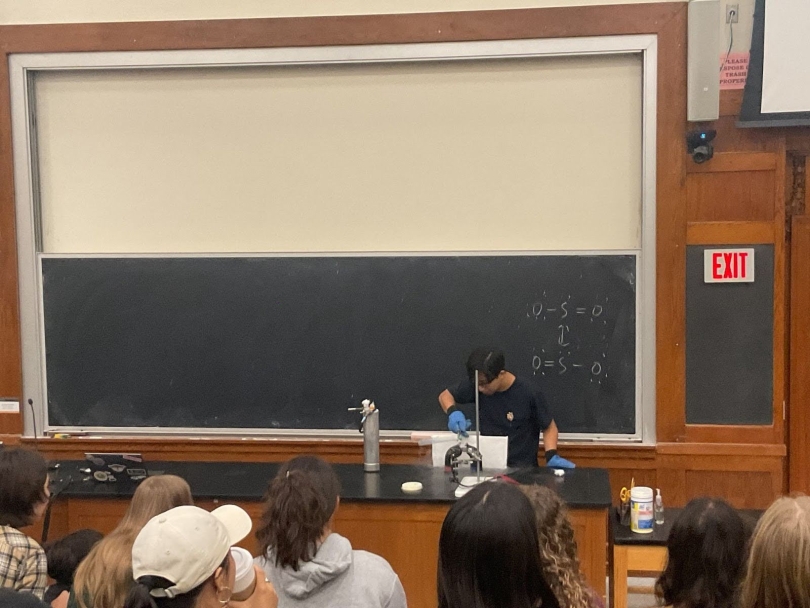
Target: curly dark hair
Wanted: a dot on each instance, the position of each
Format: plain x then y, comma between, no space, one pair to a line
558,549
298,505
23,474
708,550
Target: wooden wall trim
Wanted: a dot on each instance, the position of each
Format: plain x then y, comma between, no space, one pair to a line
729,233
780,296
10,353
341,30
721,449
736,161
753,434
799,426
225,449
671,232
667,20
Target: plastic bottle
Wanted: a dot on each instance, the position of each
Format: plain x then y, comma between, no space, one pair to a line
641,510
658,507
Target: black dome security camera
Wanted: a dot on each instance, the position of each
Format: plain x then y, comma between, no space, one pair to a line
699,145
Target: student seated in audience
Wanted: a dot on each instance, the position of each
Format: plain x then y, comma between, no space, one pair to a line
104,578
307,563
64,556
707,550
778,573
489,555
9,598
558,550
182,559
24,498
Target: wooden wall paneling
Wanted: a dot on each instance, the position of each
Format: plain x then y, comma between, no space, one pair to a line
732,139
624,464
799,455
342,30
746,195
780,302
730,233
10,357
349,451
58,527
736,162
671,231
748,476
732,198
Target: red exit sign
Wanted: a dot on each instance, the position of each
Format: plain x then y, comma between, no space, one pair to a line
728,266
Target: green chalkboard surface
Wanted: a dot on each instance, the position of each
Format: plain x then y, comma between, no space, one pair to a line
292,342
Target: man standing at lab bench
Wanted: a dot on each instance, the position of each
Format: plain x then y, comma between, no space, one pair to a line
509,406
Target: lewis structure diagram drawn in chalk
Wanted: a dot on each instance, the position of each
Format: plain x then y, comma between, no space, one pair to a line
573,336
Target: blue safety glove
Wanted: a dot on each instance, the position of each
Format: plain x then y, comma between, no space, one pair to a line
558,462
457,422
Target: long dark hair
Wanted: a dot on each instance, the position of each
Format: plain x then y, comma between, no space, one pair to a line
140,597
489,554
708,549
299,502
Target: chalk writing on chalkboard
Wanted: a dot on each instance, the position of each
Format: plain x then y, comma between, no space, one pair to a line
574,324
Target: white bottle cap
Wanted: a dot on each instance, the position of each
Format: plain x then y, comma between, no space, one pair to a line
245,573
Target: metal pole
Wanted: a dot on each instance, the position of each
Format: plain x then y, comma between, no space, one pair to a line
477,428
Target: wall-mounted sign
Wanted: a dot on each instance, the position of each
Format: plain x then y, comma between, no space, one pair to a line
728,266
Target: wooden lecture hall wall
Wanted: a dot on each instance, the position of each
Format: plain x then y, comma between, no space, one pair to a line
742,196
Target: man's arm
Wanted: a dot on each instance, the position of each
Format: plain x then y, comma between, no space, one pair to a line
446,400
550,436
456,420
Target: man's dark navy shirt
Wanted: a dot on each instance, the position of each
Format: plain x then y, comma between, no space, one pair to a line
529,417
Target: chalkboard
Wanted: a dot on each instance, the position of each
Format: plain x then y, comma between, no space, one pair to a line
729,344
292,342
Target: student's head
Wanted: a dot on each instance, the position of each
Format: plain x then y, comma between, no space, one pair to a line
182,558
489,554
155,495
489,362
778,574
558,548
105,576
24,491
65,555
303,496
707,549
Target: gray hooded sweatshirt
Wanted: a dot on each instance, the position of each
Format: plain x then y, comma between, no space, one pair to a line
336,576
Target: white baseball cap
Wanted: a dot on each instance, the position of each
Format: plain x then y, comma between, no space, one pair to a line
186,545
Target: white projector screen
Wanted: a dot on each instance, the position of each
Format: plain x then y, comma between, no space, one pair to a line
523,154
785,75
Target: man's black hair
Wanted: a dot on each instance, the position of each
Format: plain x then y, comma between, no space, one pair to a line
488,361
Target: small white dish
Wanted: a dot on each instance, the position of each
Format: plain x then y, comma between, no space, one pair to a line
411,487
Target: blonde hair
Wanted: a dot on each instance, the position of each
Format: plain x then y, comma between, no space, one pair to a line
558,549
778,573
104,578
